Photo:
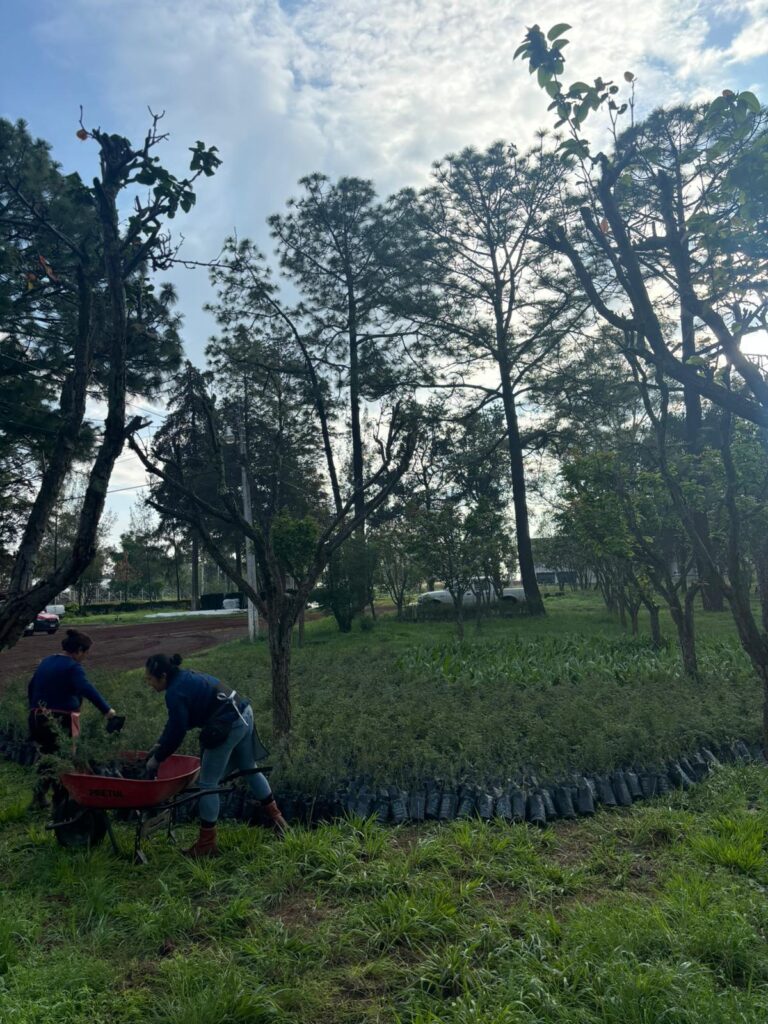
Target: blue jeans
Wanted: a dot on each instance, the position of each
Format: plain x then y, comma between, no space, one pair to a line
237,748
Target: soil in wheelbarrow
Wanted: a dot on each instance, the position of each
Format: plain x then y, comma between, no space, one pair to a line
129,646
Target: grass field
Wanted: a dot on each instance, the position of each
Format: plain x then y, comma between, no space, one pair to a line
654,914
405,701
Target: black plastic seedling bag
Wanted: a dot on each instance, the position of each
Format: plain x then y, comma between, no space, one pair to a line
741,750
649,784
698,766
605,792
502,807
398,801
620,789
592,787
484,804
549,804
364,802
710,758
349,801
517,799
564,802
466,805
448,804
337,806
633,785
678,776
585,804
381,806
417,805
534,810
434,797
663,787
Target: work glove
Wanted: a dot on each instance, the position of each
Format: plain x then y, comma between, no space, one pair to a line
150,768
115,723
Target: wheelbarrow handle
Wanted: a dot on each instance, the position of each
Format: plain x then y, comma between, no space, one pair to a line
195,794
243,772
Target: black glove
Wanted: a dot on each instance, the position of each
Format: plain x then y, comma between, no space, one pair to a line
115,723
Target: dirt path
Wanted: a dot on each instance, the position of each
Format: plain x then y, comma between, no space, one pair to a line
126,646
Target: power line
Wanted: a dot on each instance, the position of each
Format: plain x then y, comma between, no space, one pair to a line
149,412
112,490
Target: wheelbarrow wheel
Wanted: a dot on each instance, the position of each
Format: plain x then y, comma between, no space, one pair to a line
76,826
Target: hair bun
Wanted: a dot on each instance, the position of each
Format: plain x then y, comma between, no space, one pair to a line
176,659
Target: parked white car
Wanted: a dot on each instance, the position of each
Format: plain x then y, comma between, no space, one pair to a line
509,594
55,609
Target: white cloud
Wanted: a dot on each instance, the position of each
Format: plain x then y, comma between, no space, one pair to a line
352,87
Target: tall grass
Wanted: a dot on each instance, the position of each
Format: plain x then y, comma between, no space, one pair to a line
655,914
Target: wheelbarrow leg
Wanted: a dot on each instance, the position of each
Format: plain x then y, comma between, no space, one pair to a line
139,857
112,837
171,823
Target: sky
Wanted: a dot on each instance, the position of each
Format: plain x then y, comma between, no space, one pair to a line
376,90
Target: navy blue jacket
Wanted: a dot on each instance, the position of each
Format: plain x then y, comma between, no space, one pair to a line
60,683
191,700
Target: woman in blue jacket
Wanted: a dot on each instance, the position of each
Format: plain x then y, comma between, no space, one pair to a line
198,701
55,695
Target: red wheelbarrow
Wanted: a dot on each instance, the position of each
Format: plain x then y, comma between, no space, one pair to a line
81,807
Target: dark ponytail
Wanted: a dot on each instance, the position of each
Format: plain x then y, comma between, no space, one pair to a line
75,641
161,665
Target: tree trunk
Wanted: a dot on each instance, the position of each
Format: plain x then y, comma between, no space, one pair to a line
712,597
534,603
195,597
360,563
760,559
634,612
653,615
458,612
300,641
711,592
683,620
279,638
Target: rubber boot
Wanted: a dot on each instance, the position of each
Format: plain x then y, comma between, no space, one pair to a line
272,811
205,846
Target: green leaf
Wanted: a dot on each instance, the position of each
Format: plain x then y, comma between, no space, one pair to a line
557,30
522,50
552,88
718,105
582,110
750,101
543,75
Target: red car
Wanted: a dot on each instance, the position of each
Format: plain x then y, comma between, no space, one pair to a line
44,623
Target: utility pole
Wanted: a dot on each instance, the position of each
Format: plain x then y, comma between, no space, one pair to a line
250,556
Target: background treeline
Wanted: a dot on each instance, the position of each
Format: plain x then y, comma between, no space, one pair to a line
389,392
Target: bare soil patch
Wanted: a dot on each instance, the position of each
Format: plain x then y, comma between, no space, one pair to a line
128,646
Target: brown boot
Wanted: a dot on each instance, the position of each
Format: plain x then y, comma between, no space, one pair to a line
205,845
272,811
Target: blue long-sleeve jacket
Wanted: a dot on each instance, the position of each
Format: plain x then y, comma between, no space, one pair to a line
60,683
191,700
